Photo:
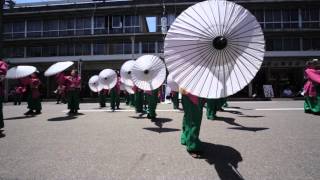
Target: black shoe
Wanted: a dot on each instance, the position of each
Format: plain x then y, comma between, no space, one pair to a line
38,112
28,112
118,108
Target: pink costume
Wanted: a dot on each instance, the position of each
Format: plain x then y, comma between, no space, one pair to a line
313,76
3,72
73,83
34,84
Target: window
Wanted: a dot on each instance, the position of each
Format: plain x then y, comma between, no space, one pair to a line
290,18
291,44
160,47
311,18
82,49
116,48
116,24
127,48
18,29
148,47
83,26
151,22
66,27
131,24
7,30
99,49
34,28
100,25
66,50
274,44
273,19
13,52
283,44
311,44
277,18
34,51
48,51
51,28
137,48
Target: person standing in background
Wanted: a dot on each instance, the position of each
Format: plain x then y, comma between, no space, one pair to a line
73,91
19,90
33,99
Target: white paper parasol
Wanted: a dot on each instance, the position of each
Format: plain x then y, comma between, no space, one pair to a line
148,72
214,49
108,78
172,84
20,72
58,68
94,84
125,72
129,89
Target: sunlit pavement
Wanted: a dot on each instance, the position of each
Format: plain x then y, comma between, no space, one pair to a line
250,140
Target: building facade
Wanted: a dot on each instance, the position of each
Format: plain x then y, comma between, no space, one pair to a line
104,34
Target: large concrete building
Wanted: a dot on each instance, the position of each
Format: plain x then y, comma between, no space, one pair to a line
104,34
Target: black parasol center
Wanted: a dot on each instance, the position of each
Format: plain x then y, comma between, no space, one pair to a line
220,42
146,71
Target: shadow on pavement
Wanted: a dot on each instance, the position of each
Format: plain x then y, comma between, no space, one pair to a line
233,112
2,135
228,120
254,129
19,117
249,116
64,118
231,121
138,117
225,160
236,107
161,130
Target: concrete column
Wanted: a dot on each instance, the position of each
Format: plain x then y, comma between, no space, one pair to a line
300,18
132,45
25,28
92,24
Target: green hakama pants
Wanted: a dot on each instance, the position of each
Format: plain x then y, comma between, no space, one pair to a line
191,124
213,105
175,100
312,104
73,100
139,101
132,100
102,99
113,98
33,103
152,101
127,99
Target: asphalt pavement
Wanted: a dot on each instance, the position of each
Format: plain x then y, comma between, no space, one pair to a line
249,140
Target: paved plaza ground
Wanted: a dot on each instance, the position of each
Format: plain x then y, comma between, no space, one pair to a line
250,140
